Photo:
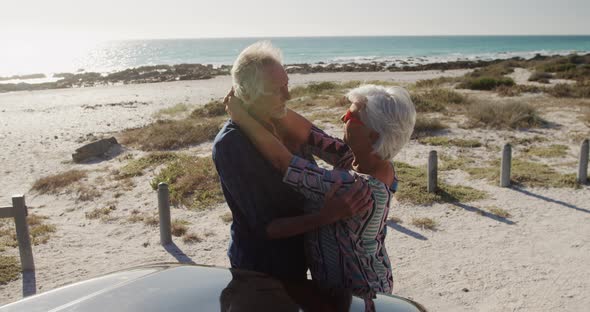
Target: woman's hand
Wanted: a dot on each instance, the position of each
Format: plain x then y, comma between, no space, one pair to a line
234,106
338,206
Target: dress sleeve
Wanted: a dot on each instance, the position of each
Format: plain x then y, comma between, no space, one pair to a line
332,150
314,182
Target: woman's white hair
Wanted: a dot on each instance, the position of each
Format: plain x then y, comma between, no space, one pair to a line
388,111
247,70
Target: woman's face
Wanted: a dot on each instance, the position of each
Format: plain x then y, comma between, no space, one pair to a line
357,136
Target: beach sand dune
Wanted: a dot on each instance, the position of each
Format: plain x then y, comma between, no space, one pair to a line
536,260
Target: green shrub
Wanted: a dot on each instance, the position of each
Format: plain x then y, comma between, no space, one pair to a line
413,188
485,83
192,181
551,151
137,166
525,173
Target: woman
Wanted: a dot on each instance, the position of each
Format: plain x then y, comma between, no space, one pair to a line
348,254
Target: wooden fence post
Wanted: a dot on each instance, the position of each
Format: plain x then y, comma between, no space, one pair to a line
164,212
432,171
506,165
583,168
22,233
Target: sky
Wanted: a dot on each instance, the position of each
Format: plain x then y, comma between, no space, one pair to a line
147,19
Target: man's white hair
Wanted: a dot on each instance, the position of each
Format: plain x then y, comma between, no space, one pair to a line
388,111
248,68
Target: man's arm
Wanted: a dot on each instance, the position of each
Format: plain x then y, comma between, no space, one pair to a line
335,207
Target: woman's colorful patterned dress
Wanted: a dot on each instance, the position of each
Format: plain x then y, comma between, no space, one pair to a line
349,254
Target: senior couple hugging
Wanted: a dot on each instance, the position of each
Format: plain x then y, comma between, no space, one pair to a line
289,214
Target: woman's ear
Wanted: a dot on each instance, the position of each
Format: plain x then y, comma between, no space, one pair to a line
373,136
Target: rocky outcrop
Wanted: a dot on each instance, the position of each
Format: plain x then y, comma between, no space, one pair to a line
96,149
22,77
161,73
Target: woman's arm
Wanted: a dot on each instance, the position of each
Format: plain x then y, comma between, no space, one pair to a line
335,207
266,143
294,128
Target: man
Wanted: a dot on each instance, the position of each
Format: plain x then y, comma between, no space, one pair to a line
260,202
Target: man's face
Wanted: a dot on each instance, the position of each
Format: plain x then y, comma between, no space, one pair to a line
271,104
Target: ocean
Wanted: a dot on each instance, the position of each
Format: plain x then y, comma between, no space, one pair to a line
49,58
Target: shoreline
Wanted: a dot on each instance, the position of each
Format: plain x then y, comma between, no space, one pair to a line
183,72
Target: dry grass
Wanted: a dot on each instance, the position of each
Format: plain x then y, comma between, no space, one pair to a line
503,115
191,238
515,141
86,193
151,220
425,223
435,82
171,134
427,126
586,117
580,89
459,163
173,110
540,76
54,184
303,104
436,100
227,217
100,213
193,182
499,212
551,151
211,109
395,219
39,230
317,88
525,173
444,141
179,227
326,116
516,90
413,188
135,217
9,269
577,136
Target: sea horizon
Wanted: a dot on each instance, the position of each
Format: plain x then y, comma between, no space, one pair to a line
406,50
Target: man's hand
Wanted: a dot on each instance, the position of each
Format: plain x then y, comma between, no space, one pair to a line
338,206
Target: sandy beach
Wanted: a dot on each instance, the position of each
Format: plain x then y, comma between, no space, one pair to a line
536,260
